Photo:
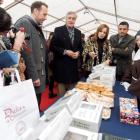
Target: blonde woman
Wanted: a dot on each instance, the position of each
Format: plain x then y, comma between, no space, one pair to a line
97,49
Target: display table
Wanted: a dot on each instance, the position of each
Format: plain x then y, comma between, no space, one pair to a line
113,125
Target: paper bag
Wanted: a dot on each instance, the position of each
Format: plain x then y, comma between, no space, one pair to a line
18,110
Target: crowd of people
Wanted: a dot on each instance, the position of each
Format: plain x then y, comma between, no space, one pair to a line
66,57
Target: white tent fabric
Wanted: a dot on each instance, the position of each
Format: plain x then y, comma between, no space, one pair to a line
110,12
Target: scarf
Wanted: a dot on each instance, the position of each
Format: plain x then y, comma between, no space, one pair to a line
71,34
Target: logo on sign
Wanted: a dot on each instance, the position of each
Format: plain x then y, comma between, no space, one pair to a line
11,114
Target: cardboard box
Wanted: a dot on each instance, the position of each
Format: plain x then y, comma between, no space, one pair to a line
110,69
93,81
57,127
98,67
107,77
108,84
71,102
79,134
128,111
54,129
96,74
88,117
26,134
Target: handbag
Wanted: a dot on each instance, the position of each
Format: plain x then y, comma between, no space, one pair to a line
7,58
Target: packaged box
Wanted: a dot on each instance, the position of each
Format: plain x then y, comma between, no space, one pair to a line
26,134
93,81
98,67
110,69
128,111
71,102
96,74
114,82
88,116
108,84
79,134
55,129
107,77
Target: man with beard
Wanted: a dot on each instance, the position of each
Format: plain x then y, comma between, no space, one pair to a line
122,47
36,63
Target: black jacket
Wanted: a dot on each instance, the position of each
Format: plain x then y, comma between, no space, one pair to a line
65,68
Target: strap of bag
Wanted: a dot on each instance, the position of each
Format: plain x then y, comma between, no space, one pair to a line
1,79
13,71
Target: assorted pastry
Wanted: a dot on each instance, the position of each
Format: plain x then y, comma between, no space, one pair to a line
106,113
96,93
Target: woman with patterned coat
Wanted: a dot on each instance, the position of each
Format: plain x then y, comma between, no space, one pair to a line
97,49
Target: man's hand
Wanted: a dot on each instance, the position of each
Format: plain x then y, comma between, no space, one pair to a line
79,70
107,62
12,35
75,55
69,53
36,83
92,54
112,49
126,48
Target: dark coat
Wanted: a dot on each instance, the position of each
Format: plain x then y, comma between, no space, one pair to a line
124,57
65,68
33,63
132,75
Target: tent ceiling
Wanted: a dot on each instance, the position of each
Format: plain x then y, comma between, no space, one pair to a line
110,12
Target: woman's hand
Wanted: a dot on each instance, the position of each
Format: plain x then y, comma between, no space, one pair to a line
12,35
107,62
92,54
5,70
19,40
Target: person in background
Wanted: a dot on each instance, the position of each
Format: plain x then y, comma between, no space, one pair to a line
83,39
132,73
50,67
5,23
80,60
36,63
122,47
97,49
1,2
67,46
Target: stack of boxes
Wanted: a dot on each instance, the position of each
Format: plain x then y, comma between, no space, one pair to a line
103,74
68,118
71,102
54,129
